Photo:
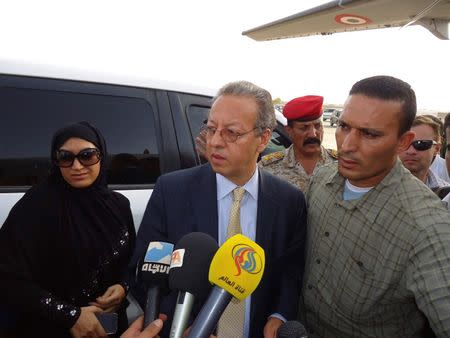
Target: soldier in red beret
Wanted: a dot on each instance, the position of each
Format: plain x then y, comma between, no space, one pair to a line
298,163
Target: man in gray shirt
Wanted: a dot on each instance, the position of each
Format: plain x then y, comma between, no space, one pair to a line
378,239
417,158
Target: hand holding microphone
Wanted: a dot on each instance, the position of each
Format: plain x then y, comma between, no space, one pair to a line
292,329
235,271
137,329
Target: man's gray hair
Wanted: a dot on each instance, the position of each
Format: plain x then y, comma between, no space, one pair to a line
265,117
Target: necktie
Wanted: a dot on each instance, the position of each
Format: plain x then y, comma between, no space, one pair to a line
231,323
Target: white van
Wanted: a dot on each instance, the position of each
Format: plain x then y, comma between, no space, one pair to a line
149,127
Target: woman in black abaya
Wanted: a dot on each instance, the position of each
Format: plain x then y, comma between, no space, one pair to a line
65,246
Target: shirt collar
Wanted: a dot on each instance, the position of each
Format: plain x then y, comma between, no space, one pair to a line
431,181
289,158
370,210
394,176
225,186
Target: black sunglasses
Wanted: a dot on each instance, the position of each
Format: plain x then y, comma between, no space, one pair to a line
86,157
421,145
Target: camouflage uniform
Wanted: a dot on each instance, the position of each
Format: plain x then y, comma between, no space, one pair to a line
284,165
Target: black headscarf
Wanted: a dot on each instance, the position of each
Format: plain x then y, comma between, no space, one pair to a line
87,132
62,245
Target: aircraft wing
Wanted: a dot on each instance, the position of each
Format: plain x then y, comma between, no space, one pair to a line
352,15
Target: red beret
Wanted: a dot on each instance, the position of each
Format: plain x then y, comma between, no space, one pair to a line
305,108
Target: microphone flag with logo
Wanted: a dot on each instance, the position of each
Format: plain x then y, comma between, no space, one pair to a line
154,275
236,270
188,274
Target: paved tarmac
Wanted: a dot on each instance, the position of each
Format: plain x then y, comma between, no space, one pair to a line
329,140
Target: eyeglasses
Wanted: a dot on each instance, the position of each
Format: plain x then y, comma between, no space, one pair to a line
228,135
86,157
421,145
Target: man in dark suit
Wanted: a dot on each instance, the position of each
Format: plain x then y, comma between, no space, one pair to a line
272,211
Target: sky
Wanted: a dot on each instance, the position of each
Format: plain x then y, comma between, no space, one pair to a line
201,42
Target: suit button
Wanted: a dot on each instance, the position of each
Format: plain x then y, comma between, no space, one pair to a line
326,234
310,286
318,261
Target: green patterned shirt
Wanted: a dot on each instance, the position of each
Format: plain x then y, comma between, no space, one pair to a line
378,265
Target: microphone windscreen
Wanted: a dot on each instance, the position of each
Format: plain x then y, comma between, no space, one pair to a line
156,263
292,329
238,266
191,259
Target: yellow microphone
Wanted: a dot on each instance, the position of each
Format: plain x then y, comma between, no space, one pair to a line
235,271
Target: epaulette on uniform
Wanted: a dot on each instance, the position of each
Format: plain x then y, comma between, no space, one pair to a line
272,157
333,153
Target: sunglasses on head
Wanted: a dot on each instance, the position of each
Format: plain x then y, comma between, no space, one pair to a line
86,157
421,145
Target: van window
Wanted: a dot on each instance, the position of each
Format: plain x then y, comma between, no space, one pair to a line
197,115
29,117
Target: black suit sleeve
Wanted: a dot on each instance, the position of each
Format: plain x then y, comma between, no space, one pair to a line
292,262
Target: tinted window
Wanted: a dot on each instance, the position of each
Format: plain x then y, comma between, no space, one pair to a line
196,116
31,116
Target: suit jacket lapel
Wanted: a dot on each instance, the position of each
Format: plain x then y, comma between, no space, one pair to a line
204,200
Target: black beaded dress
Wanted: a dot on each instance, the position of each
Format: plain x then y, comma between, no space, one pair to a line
61,247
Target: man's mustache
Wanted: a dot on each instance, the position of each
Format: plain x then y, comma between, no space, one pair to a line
312,140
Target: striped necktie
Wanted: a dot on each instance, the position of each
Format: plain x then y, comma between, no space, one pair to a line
231,323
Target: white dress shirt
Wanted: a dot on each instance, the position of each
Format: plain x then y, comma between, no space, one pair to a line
248,215
439,168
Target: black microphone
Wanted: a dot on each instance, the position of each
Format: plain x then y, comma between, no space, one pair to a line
188,274
154,274
292,329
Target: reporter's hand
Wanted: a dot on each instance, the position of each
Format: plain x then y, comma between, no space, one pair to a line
87,324
151,331
110,301
271,327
